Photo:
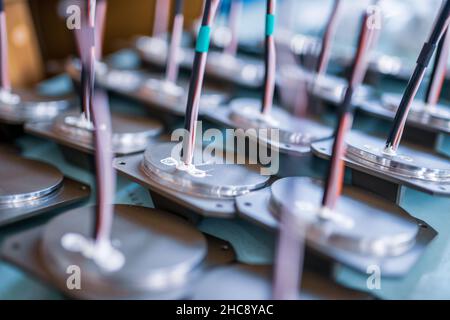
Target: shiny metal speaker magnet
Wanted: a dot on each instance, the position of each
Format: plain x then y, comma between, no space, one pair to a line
23,106
280,131
29,188
18,107
426,125
155,51
328,88
208,190
74,134
171,255
150,89
240,70
362,231
388,174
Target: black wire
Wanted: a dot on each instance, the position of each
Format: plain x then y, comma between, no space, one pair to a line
435,69
178,8
422,63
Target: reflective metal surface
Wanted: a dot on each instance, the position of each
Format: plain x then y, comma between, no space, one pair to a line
26,182
332,89
173,97
293,130
373,229
408,162
411,159
123,81
438,115
293,135
241,70
170,199
150,88
327,87
130,134
348,247
430,119
309,47
161,251
215,178
18,107
155,51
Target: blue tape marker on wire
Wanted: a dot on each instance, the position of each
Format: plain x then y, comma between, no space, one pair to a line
270,24
203,39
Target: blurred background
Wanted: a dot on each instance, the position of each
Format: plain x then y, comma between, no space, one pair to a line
40,41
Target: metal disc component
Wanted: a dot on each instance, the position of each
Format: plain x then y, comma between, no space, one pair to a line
21,106
390,65
130,133
356,225
171,199
163,92
419,110
161,254
255,208
332,88
149,88
306,45
155,51
174,96
211,178
120,80
26,182
237,69
407,162
245,113
109,77
328,87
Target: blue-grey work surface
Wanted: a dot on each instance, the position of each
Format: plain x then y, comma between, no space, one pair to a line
430,278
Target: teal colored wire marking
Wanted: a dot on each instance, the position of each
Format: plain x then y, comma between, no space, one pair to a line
203,39
270,24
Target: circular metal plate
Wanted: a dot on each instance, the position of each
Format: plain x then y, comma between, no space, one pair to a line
161,253
25,182
174,96
238,69
358,224
121,80
383,64
328,87
155,50
390,65
222,180
110,77
293,131
419,110
332,88
130,133
28,106
407,162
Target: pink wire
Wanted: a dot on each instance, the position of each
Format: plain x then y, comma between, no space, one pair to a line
162,10
269,83
235,13
5,81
